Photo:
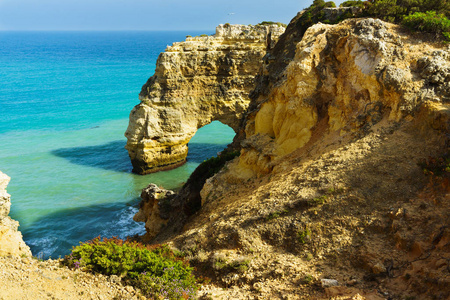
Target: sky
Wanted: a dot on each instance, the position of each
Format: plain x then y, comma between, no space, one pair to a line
142,14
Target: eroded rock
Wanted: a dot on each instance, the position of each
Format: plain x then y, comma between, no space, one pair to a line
154,209
11,242
197,81
343,78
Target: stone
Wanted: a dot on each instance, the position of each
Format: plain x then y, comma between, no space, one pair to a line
154,209
197,81
11,242
378,268
328,282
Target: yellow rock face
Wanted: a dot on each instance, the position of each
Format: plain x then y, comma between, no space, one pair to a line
343,79
11,242
196,82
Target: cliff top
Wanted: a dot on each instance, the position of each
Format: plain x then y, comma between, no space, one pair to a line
240,31
230,37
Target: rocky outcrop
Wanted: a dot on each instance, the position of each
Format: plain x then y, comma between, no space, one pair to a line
154,209
198,81
11,242
343,79
327,86
330,181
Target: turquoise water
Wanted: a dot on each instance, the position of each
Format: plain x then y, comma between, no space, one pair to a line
64,105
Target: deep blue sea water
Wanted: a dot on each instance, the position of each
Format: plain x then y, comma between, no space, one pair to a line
64,104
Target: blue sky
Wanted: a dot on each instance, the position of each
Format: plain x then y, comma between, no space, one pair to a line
142,14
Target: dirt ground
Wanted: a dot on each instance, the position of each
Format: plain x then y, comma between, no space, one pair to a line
29,278
360,212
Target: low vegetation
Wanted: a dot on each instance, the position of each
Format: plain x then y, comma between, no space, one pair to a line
304,236
436,166
214,164
276,214
264,23
429,21
157,271
222,264
431,16
354,3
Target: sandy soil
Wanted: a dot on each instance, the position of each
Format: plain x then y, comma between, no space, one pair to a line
29,278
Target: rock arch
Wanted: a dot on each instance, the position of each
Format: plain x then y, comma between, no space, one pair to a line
196,82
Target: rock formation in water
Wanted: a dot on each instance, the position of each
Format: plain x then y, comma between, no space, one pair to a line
338,134
198,81
154,209
11,242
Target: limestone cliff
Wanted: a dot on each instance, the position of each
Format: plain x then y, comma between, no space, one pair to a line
11,242
343,80
330,182
198,81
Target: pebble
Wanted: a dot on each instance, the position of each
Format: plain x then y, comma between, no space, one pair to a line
329,282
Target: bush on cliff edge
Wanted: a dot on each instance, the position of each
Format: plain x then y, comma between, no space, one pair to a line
430,16
156,270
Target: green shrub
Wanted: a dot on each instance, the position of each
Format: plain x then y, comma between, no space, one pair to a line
214,164
387,10
224,266
203,35
318,3
318,201
396,10
429,21
157,271
152,286
276,214
315,14
304,236
307,279
423,15
354,3
240,266
272,23
436,166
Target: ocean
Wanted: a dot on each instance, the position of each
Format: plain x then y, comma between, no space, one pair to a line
65,98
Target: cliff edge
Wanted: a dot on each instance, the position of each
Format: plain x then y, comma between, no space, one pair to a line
197,81
11,242
336,192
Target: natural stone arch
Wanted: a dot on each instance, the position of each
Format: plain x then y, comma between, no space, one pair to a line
164,132
198,81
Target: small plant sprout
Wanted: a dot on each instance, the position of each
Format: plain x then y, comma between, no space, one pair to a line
304,236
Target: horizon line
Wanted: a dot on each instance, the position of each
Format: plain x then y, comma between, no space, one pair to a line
99,30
